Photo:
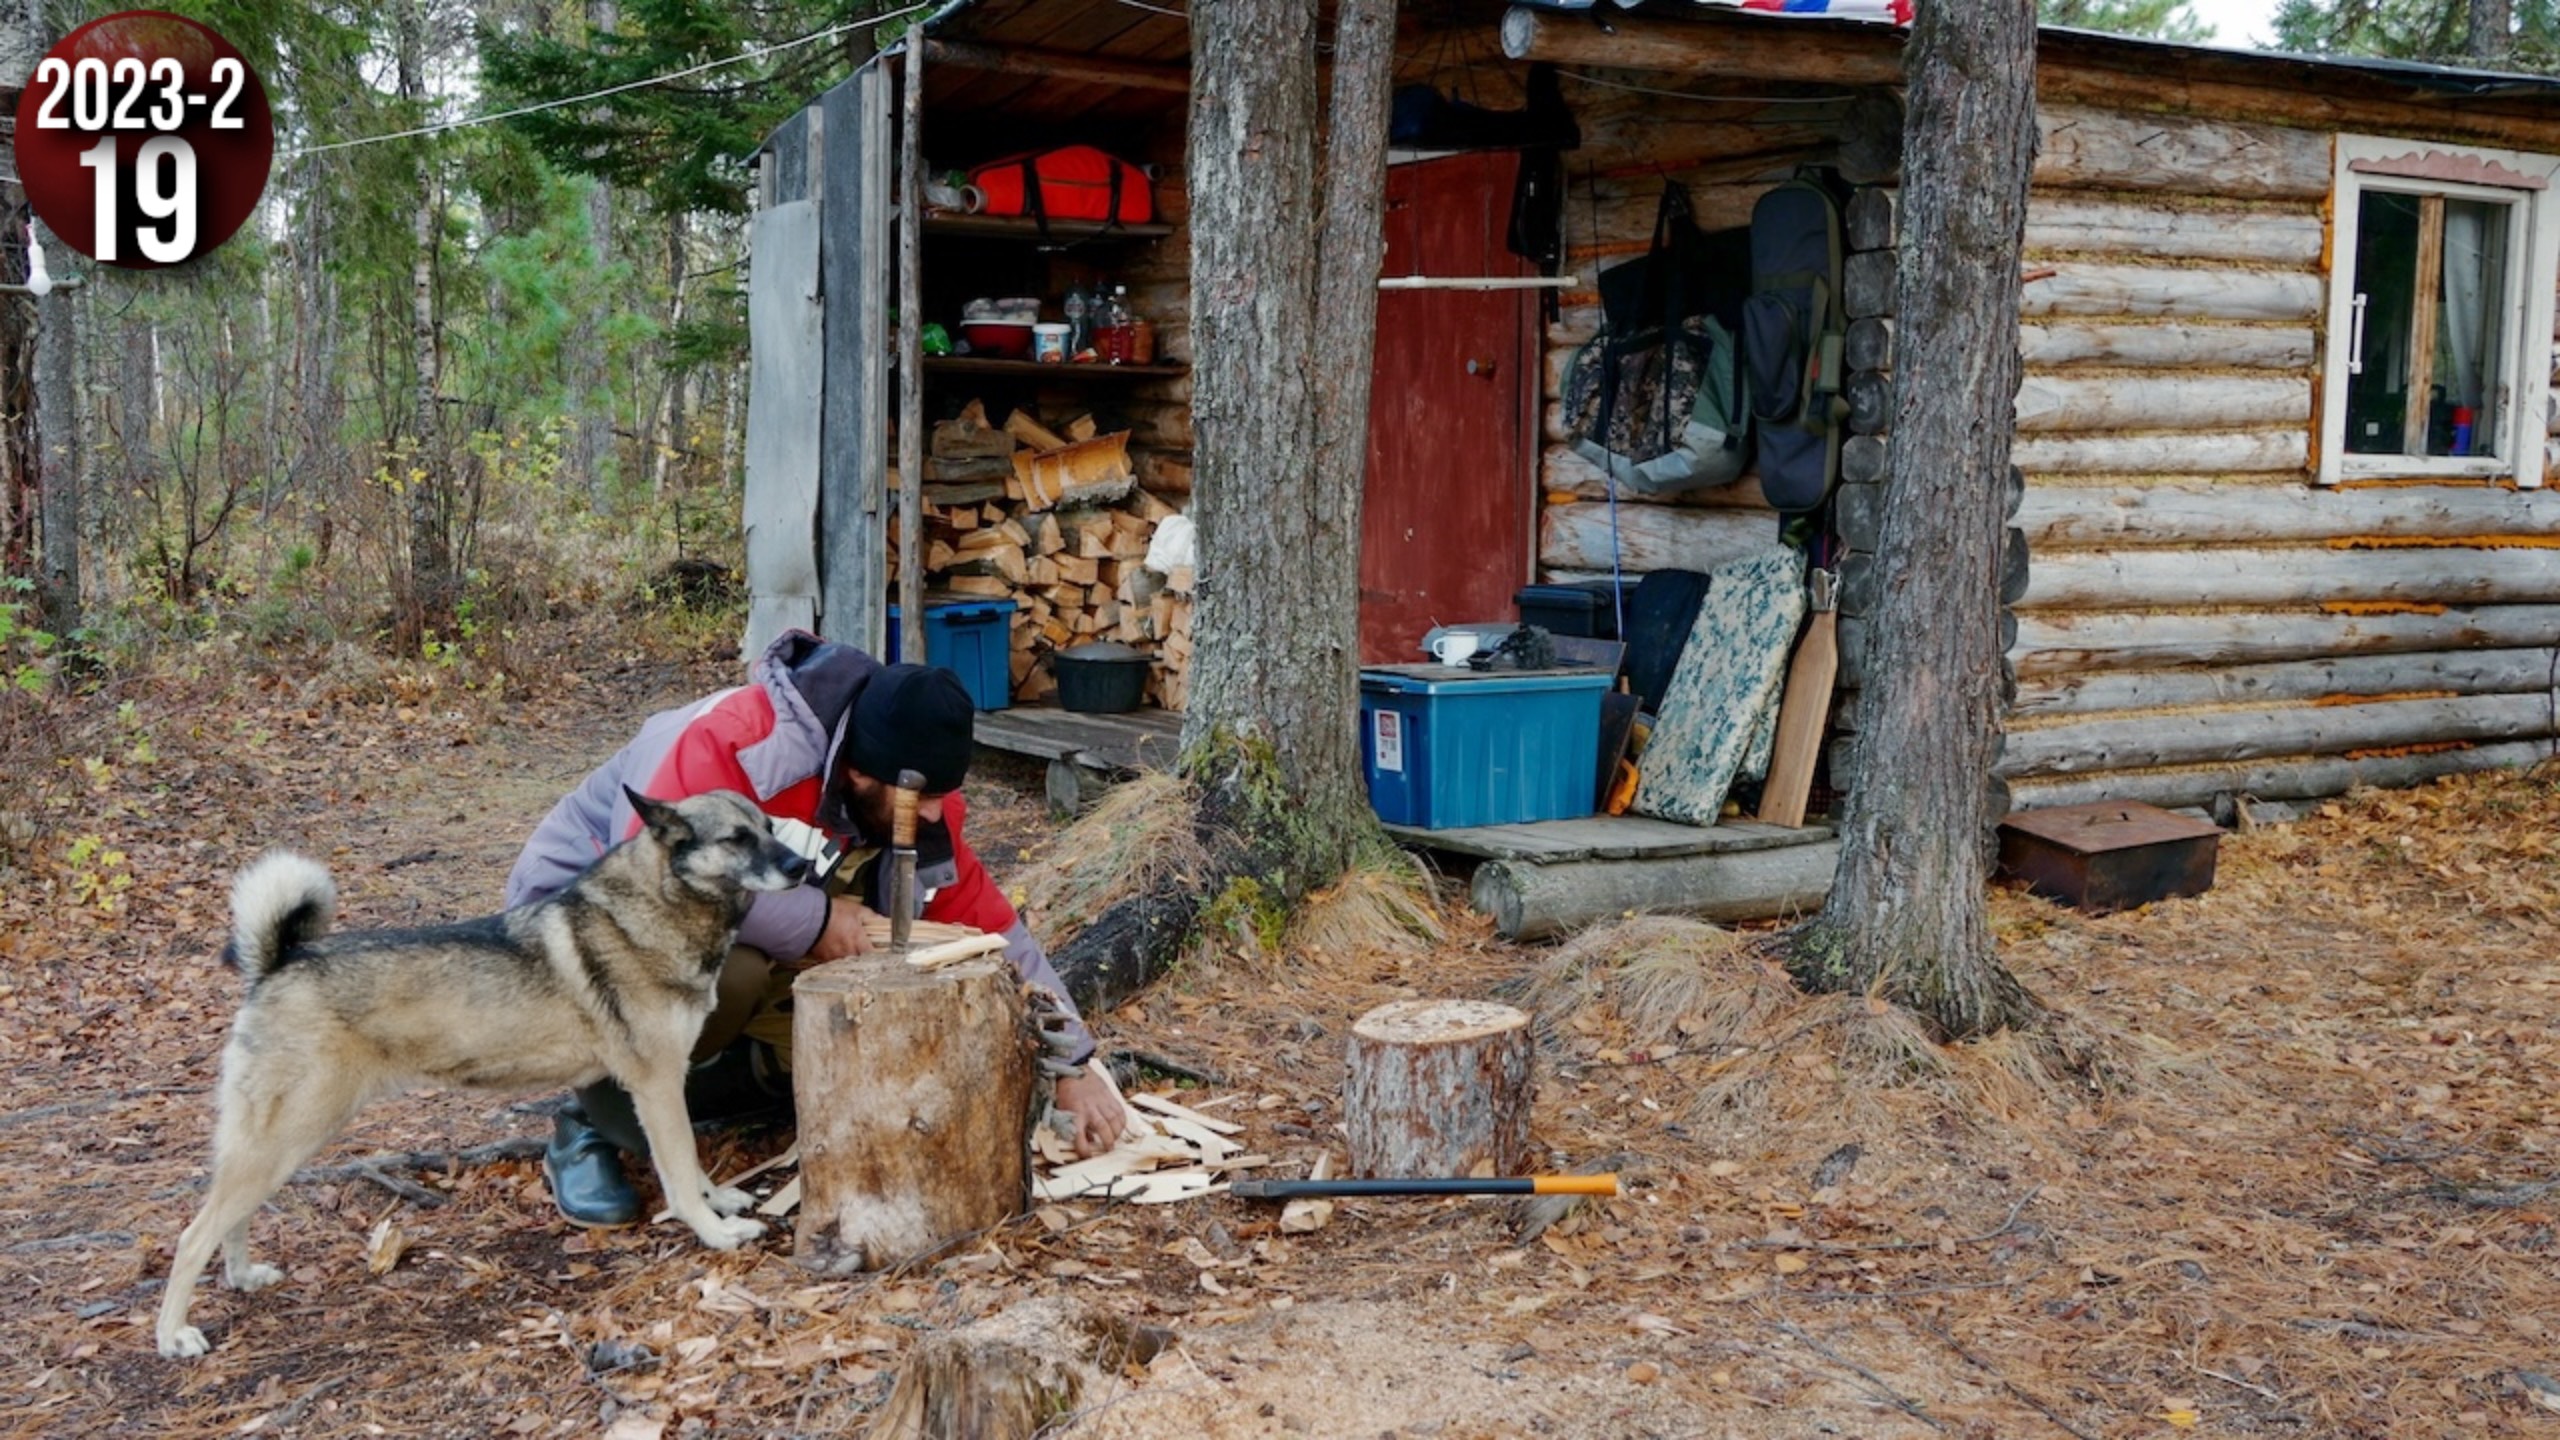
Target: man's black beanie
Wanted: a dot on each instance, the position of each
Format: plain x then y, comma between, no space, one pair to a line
912,717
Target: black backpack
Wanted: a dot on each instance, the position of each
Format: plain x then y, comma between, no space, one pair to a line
1657,400
1794,329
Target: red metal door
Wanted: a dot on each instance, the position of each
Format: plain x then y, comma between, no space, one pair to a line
1453,413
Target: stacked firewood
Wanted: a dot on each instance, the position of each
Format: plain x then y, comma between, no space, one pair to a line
1055,521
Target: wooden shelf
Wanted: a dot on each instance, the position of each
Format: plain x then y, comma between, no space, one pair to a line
1034,370
1022,227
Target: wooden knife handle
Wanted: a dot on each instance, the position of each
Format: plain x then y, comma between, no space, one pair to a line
902,809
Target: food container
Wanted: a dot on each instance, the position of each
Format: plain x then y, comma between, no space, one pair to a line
1001,339
1049,343
1101,677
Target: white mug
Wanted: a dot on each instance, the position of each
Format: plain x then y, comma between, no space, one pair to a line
1454,647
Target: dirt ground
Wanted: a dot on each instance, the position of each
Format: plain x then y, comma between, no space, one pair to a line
2307,1190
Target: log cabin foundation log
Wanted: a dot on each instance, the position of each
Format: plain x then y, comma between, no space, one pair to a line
914,1092
1438,1088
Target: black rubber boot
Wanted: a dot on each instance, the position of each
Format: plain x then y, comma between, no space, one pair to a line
584,1166
743,1081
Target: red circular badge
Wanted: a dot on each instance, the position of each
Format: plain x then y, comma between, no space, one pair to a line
144,139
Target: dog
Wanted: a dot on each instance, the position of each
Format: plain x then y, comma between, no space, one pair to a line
613,975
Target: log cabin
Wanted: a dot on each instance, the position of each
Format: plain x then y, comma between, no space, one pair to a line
2280,522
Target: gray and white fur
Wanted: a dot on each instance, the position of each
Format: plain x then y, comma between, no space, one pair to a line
611,976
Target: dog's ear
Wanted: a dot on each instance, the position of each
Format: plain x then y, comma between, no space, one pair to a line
663,819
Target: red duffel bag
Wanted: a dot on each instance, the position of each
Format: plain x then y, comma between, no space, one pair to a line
1076,182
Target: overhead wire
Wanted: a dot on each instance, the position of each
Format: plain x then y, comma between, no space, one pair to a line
754,53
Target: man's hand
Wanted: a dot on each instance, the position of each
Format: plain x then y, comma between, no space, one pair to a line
844,933
1096,1106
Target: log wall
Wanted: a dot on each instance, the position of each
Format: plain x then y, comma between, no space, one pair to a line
2196,621
2193,619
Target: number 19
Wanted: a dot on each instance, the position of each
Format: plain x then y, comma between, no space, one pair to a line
175,203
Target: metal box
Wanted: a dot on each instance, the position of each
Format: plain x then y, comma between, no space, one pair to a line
2109,855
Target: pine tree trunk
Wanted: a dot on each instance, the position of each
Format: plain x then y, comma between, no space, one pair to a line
1283,325
1906,917
1283,329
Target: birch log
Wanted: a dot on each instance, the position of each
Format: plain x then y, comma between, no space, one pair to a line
2459,672
1651,537
2048,403
2191,452
2134,742
2276,780
933,1150
2095,149
2446,575
2170,345
2225,514
2173,229
2175,292
2059,643
1533,902
1438,1088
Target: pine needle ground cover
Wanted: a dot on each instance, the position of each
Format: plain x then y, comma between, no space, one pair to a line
2309,1188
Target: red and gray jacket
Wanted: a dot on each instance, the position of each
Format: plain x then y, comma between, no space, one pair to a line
771,740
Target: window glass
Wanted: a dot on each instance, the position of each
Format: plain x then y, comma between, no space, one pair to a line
2430,325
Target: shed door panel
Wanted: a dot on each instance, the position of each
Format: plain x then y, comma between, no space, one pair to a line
1445,521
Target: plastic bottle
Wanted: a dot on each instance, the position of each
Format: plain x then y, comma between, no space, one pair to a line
1116,320
1079,309
2461,429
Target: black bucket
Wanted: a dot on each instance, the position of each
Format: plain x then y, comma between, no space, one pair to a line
1101,678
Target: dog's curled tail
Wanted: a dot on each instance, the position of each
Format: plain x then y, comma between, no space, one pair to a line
280,901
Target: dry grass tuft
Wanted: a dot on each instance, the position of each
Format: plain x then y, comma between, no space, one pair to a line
1666,978
1387,908
1137,838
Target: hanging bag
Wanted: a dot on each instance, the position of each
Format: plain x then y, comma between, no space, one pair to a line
1659,400
1794,330
1073,182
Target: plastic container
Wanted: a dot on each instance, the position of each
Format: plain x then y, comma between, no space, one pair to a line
1480,749
1101,677
1588,608
1049,343
972,639
997,339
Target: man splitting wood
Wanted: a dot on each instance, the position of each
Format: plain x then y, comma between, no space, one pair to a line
816,738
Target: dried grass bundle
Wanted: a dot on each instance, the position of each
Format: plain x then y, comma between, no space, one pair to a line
1665,977
1386,907
1139,836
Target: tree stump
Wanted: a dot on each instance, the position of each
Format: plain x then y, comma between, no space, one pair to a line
1438,1088
914,1096
1012,1374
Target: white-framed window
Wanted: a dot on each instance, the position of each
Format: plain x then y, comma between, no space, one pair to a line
2441,289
